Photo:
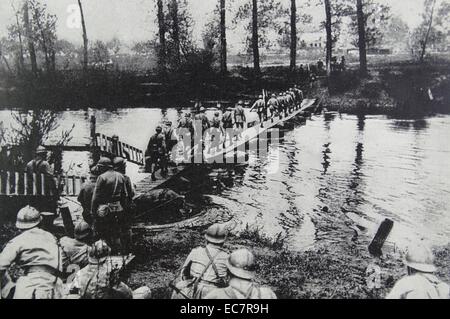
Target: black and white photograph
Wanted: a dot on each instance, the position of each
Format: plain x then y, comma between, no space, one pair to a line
238,150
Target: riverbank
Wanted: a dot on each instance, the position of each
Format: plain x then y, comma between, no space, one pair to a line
404,89
394,88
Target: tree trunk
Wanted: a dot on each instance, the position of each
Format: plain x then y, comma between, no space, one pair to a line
425,41
255,40
293,35
162,36
29,36
223,39
176,31
21,59
362,38
85,38
329,45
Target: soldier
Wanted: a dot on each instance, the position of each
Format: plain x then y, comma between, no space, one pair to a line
239,117
97,280
120,166
108,203
282,105
41,168
260,106
202,122
299,94
227,123
37,253
421,283
170,137
85,195
273,106
216,132
75,250
241,286
155,153
186,133
206,267
290,101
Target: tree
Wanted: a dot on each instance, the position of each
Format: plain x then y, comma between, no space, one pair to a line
44,32
223,38
255,38
176,44
29,36
328,30
361,38
293,35
433,29
162,36
262,17
100,52
85,38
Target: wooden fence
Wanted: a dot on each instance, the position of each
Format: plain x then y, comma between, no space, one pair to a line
114,147
24,184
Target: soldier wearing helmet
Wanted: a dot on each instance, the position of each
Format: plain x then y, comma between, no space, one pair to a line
37,253
273,105
206,267
85,195
109,201
281,105
39,168
155,153
75,250
97,280
216,132
241,273
420,283
260,107
239,117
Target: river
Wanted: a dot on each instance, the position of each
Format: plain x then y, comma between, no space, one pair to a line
368,168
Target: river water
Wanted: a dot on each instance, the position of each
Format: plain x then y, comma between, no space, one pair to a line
366,168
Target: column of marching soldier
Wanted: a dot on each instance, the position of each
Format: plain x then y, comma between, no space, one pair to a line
209,272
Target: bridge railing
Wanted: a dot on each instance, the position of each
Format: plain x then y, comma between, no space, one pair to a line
115,147
13,183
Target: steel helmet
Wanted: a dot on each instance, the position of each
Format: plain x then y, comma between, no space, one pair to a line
202,109
142,293
216,234
82,230
240,102
104,162
260,97
241,263
420,258
99,251
281,94
119,162
159,129
274,95
41,150
28,217
216,114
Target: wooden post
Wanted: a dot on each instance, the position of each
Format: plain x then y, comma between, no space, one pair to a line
25,183
380,237
95,154
16,185
42,185
8,183
34,183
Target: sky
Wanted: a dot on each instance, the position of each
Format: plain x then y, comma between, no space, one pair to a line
135,20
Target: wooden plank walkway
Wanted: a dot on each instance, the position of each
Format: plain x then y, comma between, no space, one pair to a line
145,183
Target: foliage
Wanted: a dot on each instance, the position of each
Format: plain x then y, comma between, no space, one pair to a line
433,30
376,19
99,52
284,41
30,129
271,13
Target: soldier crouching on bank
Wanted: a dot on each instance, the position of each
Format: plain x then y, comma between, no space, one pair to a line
75,250
205,268
37,252
241,286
